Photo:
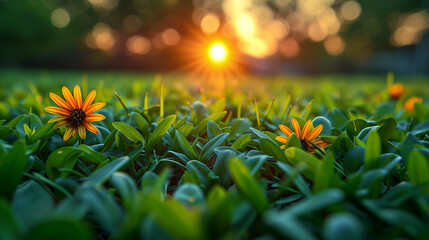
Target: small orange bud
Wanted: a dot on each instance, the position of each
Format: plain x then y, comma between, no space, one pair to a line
396,90
409,104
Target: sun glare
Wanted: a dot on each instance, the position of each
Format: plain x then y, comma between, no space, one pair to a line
217,52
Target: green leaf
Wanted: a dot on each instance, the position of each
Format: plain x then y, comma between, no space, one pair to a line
186,129
316,202
5,131
354,159
141,123
176,219
185,146
31,203
418,170
64,229
43,132
262,135
103,174
208,149
293,141
14,122
105,211
372,151
109,140
90,155
337,118
125,186
160,131
12,165
327,126
201,127
247,185
8,226
199,172
190,195
213,129
242,142
325,175
64,157
386,130
340,226
273,150
288,226
130,132
298,156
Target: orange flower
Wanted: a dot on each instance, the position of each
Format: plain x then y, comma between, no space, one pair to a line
74,113
305,136
396,90
409,104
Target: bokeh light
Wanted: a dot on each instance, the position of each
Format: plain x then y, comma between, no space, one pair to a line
350,10
171,37
60,18
334,45
210,23
138,45
101,37
289,48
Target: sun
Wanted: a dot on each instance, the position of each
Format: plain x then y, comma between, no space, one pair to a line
218,52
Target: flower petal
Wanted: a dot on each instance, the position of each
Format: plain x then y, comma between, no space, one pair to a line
82,131
88,100
71,131
77,96
94,107
285,130
56,119
316,131
60,102
61,124
94,117
306,129
320,143
296,128
58,111
281,139
90,127
69,97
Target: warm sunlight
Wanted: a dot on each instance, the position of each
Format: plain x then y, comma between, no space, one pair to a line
218,52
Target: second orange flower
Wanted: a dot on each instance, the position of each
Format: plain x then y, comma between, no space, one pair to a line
305,136
75,113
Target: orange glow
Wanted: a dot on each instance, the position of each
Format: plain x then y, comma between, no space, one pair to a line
218,52
334,45
211,59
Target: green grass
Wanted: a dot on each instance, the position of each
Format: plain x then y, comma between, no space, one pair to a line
187,167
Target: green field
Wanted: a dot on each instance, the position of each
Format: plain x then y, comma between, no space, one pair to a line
183,158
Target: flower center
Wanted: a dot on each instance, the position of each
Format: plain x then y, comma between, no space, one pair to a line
77,115
305,145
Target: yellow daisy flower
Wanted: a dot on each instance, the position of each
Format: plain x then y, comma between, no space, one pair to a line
305,136
75,113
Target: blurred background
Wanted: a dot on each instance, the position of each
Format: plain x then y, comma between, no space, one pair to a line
259,37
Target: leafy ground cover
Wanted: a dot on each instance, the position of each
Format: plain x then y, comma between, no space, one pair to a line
175,159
